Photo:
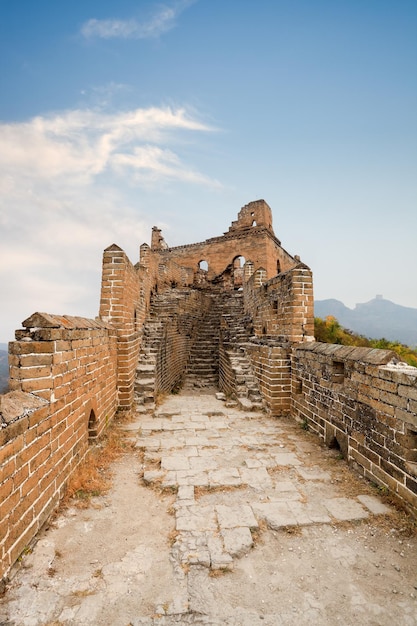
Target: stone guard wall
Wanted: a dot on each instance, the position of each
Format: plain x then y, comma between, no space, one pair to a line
227,378
271,365
360,401
282,310
63,391
282,307
177,339
123,304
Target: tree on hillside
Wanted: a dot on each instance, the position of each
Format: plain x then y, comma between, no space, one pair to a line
330,331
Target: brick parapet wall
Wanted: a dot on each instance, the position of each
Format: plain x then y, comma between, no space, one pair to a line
271,365
178,336
282,307
174,353
68,365
124,302
362,400
227,378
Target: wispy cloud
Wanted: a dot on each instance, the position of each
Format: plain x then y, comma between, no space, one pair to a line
160,22
73,182
82,144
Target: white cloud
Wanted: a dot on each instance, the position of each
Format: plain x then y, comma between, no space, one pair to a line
85,143
72,183
154,162
163,20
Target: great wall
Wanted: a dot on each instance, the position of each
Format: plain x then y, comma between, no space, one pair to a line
236,311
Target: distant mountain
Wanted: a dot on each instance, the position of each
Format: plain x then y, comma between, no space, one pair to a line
375,319
4,368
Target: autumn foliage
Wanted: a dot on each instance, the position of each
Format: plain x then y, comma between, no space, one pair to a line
329,330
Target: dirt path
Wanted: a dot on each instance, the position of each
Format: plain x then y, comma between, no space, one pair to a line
257,524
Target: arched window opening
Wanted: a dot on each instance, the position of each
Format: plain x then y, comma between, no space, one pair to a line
92,426
238,271
203,265
254,223
239,261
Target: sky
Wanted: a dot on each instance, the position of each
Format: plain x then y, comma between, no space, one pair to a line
118,116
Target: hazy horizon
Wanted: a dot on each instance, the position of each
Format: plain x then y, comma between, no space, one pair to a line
118,117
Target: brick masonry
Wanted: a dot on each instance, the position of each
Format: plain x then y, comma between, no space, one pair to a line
72,374
361,401
69,365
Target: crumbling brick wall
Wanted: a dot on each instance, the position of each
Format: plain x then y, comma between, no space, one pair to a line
282,312
359,400
251,236
63,392
282,307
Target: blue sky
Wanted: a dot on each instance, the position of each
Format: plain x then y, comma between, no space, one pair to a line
117,116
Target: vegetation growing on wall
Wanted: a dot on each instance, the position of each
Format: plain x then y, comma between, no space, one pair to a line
329,330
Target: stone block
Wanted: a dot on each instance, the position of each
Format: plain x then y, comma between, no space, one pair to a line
235,516
275,514
345,509
374,504
237,541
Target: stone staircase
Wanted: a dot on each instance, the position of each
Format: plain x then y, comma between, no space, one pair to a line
224,317
203,366
163,308
236,328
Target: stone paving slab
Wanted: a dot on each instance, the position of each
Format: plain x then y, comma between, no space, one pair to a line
374,504
154,424
253,463
287,458
237,541
275,514
192,477
175,463
311,513
185,492
202,463
345,509
313,473
197,518
235,516
256,477
225,477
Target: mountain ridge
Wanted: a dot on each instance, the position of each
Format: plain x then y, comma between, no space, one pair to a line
4,367
376,319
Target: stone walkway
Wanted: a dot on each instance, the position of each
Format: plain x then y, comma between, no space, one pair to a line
221,517
234,472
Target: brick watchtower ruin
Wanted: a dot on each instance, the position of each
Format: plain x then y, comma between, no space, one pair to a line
235,312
